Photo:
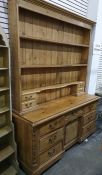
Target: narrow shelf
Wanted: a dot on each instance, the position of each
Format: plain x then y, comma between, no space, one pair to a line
52,66
5,130
58,86
9,171
6,152
3,68
3,46
3,110
4,89
52,41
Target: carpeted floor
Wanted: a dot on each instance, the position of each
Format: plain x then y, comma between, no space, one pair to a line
81,159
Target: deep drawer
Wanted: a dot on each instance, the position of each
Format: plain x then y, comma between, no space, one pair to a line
51,126
88,128
89,117
51,153
51,139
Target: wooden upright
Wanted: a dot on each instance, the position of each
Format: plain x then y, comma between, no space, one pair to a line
51,110
8,161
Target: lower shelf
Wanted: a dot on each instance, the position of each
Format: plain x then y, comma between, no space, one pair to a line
10,171
6,152
5,130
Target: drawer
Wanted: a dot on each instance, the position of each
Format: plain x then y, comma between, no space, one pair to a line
51,126
88,118
29,97
89,108
51,139
51,153
81,89
88,128
28,105
81,84
73,116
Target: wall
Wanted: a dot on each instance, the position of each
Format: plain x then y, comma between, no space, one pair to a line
4,16
95,66
76,6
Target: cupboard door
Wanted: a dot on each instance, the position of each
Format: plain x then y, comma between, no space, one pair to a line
71,131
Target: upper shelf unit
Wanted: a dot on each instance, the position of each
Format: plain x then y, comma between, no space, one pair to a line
50,48
34,26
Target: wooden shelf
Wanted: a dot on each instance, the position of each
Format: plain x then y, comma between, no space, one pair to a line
9,171
4,131
4,109
3,46
3,68
4,89
6,152
52,41
52,66
57,86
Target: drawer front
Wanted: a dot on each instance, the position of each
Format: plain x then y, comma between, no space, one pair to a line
51,126
51,153
81,89
28,105
88,118
88,128
89,108
73,116
51,139
29,97
82,84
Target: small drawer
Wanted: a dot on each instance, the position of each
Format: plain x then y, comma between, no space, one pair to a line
51,153
51,139
52,125
27,105
88,128
70,117
29,97
73,116
80,89
81,84
88,118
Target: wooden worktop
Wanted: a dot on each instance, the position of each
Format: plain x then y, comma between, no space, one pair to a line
58,107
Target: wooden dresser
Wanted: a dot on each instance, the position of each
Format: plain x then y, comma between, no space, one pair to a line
51,109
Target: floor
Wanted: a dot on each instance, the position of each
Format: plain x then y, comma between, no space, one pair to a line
81,159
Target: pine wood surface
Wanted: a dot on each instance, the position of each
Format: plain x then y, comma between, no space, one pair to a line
58,107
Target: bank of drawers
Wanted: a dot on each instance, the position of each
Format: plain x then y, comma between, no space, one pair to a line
88,124
29,101
52,134
51,140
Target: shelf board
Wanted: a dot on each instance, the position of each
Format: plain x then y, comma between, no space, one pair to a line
3,110
3,68
57,86
5,130
4,89
3,46
6,152
52,66
52,41
9,171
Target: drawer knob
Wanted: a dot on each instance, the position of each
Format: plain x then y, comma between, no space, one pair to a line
30,98
50,141
27,105
51,126
51,153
